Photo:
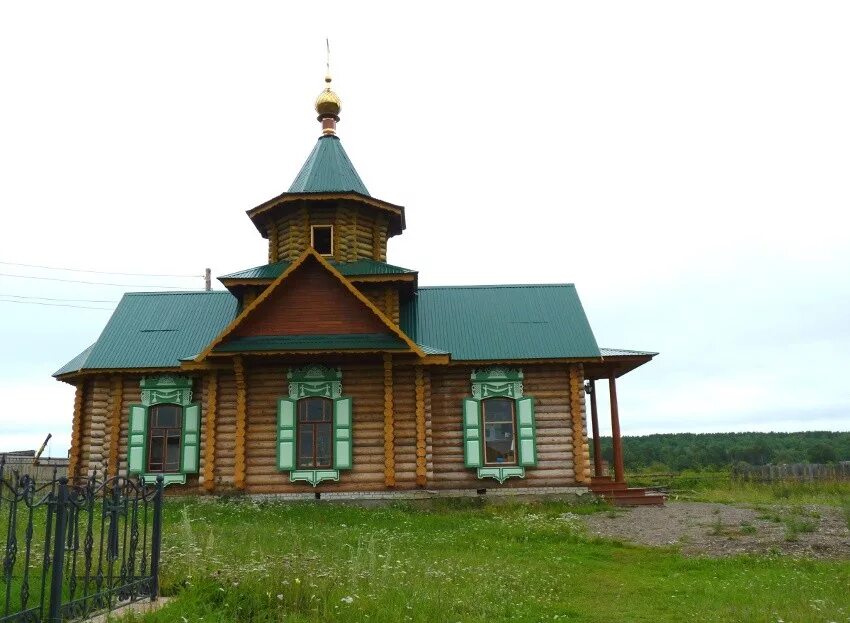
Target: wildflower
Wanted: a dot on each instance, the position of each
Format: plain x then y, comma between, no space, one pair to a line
298,580
279,597
348,599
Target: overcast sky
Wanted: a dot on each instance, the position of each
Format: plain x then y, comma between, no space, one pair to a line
684,164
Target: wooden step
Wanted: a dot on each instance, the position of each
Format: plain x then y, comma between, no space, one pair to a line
649,499
608,486
630,496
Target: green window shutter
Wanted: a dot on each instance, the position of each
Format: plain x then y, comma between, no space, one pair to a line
191,438
342,433
285,434
472,432
526,435
137,442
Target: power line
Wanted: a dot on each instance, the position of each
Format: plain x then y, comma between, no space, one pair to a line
94,283
55,305
47,298
98,272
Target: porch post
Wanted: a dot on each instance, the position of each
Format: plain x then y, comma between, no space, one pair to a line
594,421
619,475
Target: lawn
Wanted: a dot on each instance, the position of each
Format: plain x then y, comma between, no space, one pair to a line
719,486
244,561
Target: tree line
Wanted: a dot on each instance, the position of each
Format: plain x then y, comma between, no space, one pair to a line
678,451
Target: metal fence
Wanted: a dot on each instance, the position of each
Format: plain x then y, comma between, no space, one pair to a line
72,549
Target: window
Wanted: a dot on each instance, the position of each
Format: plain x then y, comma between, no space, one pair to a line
499,431
165,431
322,239
314,426
315,433
499,437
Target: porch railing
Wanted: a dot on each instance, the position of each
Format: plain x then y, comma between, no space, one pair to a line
71,549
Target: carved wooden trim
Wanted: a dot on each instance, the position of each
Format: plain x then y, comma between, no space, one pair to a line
274,236
576,399
117,397
389,425
303,231
376,241
352,236
76,431
209,444
239,461
421,445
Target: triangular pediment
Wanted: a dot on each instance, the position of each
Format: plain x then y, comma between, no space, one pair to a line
311,305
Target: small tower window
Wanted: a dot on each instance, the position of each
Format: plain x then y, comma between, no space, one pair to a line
322,239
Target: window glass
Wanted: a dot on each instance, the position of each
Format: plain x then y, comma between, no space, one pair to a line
323,239
315,432
172,453
165,432
166,416
305,446
499,431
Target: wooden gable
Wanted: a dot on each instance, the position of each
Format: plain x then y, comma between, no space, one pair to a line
311,298
311,302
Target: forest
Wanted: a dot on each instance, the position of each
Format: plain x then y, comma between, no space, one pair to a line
679,451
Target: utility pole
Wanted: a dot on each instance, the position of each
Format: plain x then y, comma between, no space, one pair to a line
207,280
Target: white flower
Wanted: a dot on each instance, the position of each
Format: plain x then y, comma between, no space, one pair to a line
280,597
347,600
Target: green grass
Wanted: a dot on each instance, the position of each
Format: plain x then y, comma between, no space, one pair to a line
719,486
241,561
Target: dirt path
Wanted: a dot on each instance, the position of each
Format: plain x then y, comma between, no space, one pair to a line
722,530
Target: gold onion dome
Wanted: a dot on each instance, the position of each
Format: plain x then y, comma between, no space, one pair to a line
328,103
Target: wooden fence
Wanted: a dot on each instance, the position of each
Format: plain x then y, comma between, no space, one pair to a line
794,471
43,472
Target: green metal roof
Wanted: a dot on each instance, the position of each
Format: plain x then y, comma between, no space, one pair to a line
328,169
501,322
77,362
357,268
363,341
157,330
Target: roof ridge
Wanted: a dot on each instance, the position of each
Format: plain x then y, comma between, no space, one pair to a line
499,286
167,292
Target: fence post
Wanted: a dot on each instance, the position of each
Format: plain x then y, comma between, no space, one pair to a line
156,537
56,578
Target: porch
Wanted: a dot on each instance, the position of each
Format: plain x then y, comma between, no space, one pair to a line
615,363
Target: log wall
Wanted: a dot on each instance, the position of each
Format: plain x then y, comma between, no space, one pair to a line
363,382
441,389
104,402
550,387
359,231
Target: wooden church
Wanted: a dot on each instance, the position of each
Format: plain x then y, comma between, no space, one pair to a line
329,371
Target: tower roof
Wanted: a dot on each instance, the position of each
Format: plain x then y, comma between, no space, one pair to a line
328,169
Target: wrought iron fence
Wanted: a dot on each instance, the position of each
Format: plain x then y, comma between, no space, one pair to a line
73,548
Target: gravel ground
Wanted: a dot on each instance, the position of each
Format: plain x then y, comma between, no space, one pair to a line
699,528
